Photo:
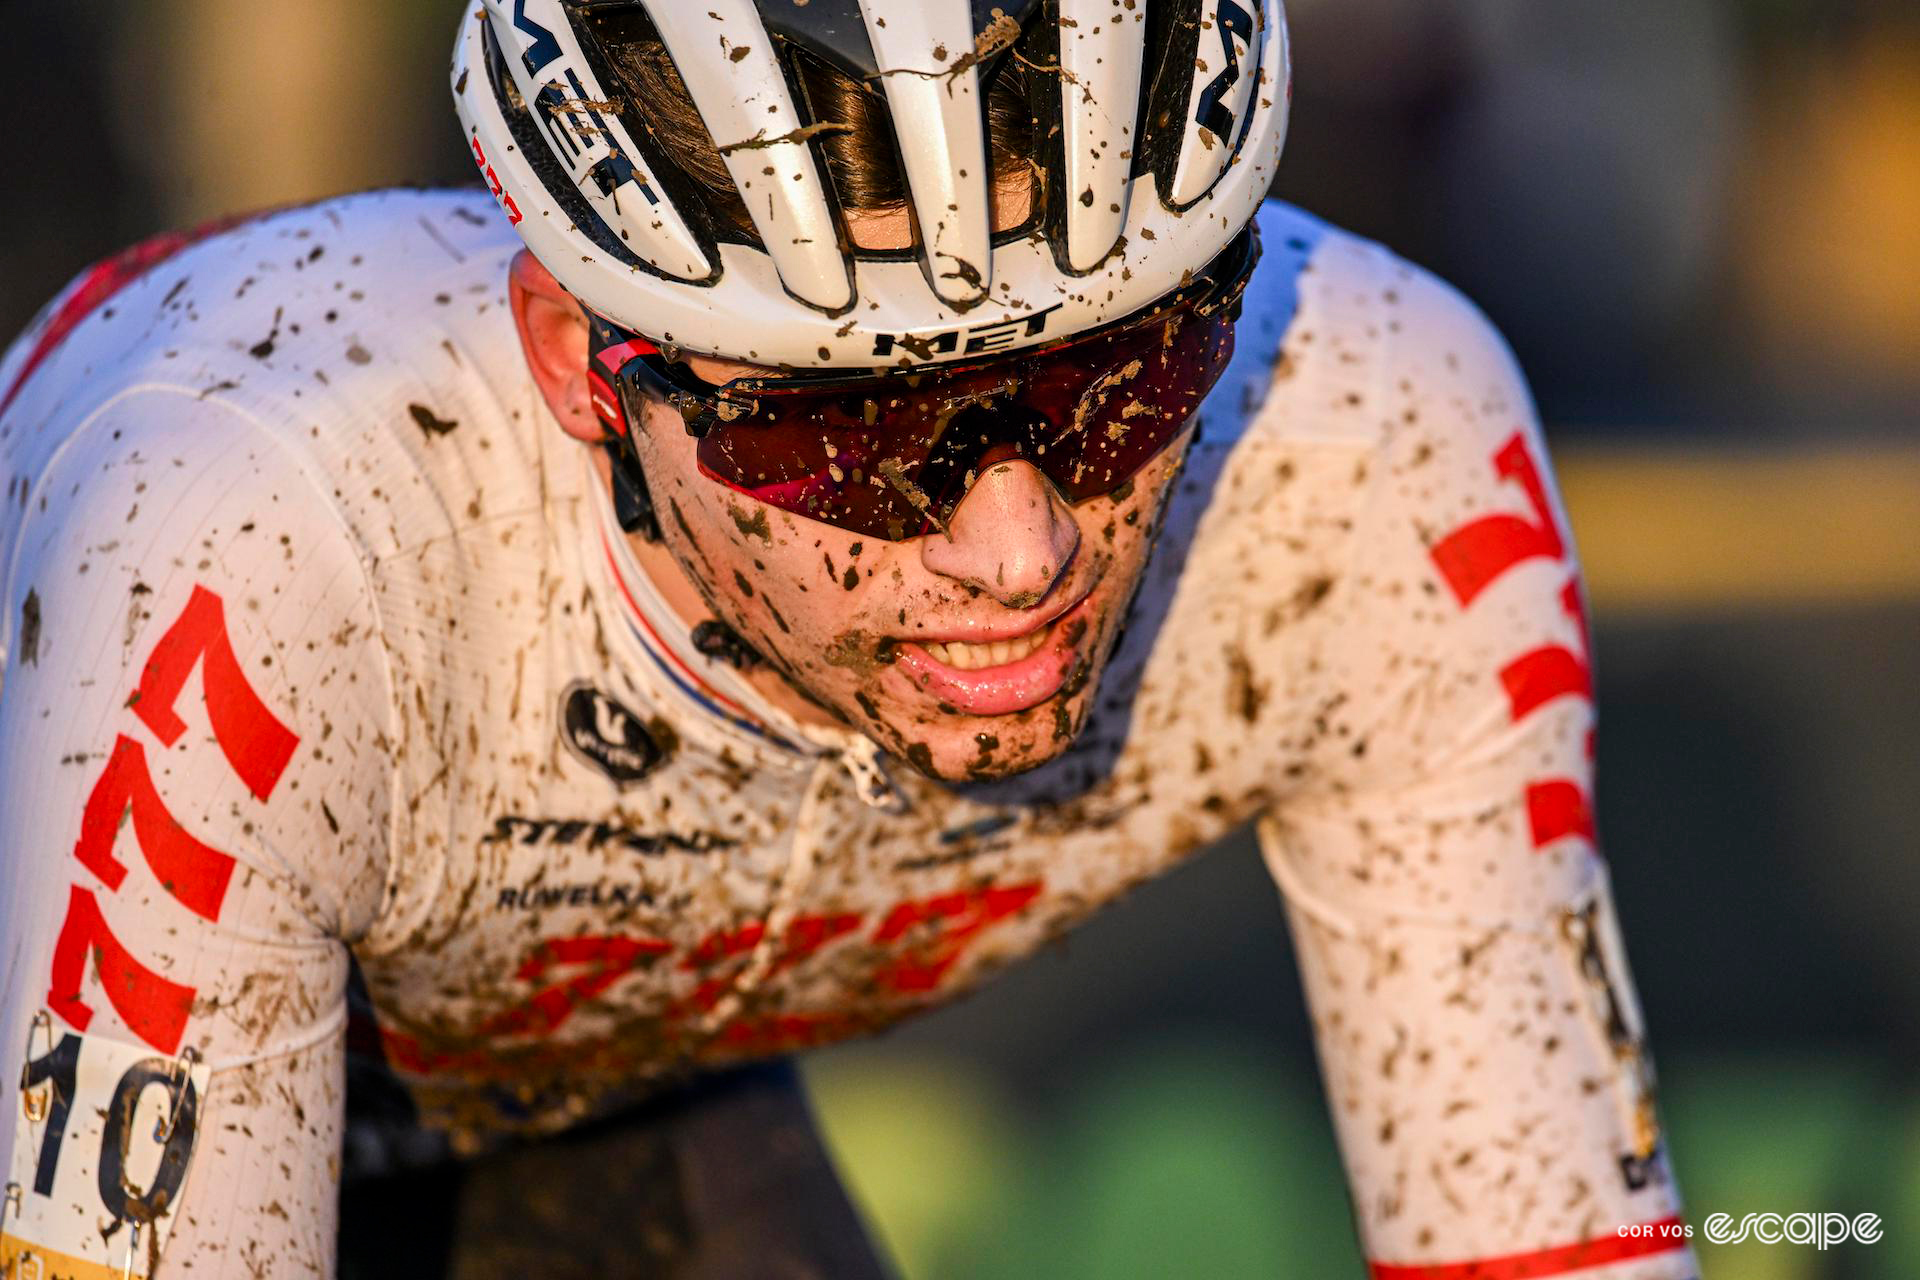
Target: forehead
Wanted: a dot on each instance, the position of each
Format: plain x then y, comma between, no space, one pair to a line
892,227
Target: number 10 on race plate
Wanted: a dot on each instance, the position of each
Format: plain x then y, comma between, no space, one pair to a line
101,1147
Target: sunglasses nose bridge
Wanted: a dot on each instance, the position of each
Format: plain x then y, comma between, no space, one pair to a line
982,435
964,480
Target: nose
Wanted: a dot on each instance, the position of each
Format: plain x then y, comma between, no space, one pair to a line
1011,536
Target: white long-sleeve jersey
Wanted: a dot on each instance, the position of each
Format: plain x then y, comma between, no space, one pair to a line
340,732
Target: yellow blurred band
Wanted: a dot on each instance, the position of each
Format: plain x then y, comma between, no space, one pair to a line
1694,529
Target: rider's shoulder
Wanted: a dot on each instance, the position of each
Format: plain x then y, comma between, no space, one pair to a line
366,338
1312,270
1335,327
384,238
279,300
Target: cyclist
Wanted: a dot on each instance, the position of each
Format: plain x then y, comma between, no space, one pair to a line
906,490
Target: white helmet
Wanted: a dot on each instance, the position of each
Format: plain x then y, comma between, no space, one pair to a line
1170,118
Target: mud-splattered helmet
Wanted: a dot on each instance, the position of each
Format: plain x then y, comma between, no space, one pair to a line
1159,125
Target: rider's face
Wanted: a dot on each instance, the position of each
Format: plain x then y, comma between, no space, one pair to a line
1024,593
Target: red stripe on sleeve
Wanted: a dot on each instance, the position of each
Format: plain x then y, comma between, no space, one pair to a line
101,282
1654,1237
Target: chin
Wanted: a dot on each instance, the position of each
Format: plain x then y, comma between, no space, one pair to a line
974,748
960,725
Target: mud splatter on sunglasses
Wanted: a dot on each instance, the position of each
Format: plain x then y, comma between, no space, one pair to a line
890,453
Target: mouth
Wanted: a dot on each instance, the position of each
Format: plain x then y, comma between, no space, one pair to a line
962,656
1003,676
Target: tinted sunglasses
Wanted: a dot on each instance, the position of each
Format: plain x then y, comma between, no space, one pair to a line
890,454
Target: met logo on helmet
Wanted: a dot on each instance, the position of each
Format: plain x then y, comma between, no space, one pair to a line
1210,112
562,116
571,115
544,48
981,337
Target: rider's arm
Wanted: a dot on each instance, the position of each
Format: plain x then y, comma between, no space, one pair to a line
194,780
1478,1032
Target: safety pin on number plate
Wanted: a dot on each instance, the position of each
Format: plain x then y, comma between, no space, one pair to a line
35,1104
182,1081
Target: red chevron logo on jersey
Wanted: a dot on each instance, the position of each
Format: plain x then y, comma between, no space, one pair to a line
255,743
1480,553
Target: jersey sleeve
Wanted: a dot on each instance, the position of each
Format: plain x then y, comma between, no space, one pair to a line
194,804
1477,1027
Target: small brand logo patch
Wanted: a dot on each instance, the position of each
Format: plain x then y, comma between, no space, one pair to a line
607,736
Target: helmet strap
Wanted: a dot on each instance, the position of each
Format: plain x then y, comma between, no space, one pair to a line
632,501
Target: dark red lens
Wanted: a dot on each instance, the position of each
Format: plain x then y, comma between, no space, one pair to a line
889,457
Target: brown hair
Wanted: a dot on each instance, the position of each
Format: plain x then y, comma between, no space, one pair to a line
862,161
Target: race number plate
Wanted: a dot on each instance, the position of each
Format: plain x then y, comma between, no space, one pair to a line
100,1154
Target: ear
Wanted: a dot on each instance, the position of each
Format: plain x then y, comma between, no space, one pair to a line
553,336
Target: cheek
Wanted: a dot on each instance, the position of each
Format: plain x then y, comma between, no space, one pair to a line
694,511
1120,531
756,567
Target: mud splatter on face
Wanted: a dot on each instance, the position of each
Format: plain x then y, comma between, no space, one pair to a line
686,530
754,527
856,651
718,640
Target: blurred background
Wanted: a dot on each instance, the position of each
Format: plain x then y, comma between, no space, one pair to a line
1698,222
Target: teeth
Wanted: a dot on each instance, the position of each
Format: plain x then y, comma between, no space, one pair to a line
973,657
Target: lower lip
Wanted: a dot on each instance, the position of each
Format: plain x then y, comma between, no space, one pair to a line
1010,687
